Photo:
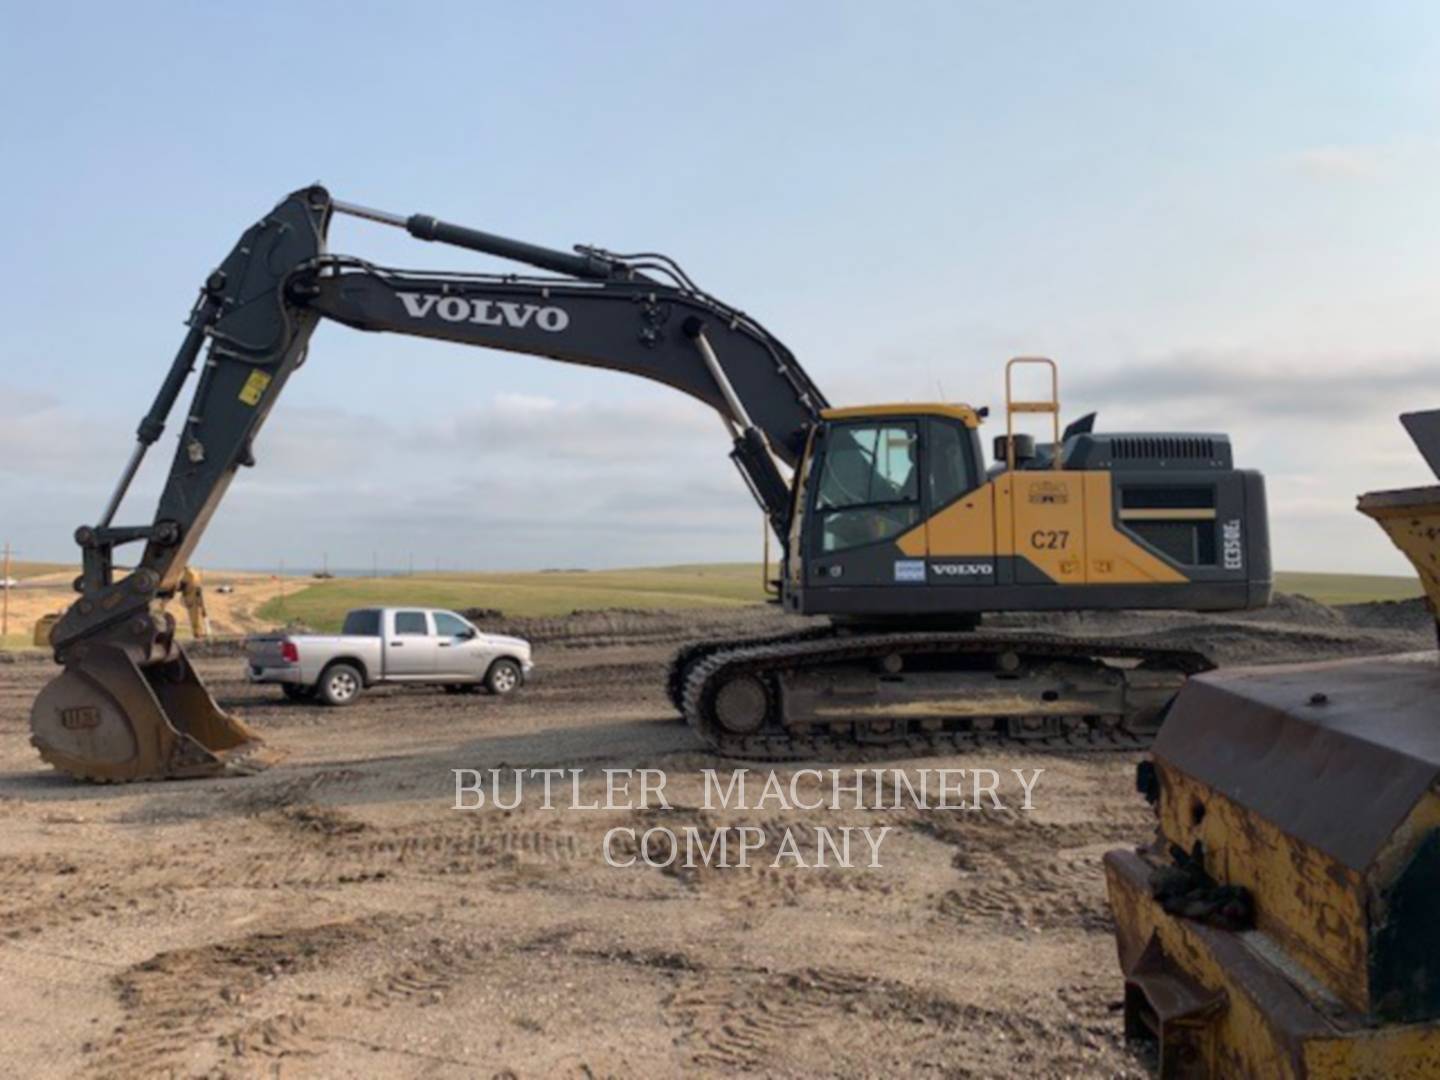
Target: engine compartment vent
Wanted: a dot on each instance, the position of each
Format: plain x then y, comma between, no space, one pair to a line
1149,451
1151,447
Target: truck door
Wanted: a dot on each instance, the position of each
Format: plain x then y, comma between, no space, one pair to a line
459,649
410,647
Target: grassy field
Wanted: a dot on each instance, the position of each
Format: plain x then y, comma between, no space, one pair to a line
22,570
323,605
1347,588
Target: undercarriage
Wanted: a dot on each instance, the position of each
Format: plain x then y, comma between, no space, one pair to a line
830,691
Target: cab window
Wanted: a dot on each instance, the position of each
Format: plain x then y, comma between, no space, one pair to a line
362,623
869,485
411,623
949,455
447,625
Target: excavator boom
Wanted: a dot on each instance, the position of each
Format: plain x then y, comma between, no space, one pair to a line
129,704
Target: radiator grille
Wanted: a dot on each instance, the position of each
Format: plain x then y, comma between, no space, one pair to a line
1153,447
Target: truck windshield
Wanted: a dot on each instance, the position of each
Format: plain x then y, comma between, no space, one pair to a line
364,623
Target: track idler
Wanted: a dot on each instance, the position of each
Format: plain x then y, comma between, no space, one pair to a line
114,714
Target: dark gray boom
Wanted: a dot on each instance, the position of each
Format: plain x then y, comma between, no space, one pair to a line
639,314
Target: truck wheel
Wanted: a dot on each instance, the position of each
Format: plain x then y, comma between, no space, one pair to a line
340,685
296,692
503,677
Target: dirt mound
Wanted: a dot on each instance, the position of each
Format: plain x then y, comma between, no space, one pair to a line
1411,615
629,626
1295,609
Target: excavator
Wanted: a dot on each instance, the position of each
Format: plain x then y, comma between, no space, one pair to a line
888,520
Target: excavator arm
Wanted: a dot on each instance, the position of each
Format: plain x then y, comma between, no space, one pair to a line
129,705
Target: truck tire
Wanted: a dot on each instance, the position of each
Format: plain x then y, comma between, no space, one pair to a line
503,677
296,692
340,684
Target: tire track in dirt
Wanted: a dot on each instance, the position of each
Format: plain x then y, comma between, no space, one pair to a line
326,849
183,998
745,1020
426,976
1026,874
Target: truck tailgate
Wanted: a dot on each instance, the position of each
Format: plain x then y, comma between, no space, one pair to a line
264,651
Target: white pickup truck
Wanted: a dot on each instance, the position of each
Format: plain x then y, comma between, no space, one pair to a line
389,645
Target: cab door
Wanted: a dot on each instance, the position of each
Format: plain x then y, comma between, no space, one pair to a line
867,495
959,536
410,646
460,650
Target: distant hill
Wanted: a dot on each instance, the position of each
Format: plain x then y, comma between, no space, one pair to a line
323,604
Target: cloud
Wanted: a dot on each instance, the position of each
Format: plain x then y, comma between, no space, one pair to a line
1338,389
517,481
1366,162
1343,162
530,481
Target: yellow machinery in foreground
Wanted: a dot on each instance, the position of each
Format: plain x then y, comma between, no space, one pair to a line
43,626
1286,921
192,595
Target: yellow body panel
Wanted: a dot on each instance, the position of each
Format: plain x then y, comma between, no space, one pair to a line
1246,1036
1392,1053
1048,511
965,527
1112,557
964,413
1062,522
1412,522
1309,902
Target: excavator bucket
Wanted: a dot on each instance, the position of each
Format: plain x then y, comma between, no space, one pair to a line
109,718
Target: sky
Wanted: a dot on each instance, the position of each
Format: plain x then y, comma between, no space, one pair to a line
1215,216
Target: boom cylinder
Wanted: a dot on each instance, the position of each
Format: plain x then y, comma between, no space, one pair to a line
425,227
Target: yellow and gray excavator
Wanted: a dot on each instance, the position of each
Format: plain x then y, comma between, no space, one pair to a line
889,520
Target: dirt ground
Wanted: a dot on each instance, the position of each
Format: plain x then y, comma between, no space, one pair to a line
231,611
334,916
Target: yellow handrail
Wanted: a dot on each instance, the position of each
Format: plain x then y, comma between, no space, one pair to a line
1012,406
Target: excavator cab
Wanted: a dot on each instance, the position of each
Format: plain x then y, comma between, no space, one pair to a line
878,474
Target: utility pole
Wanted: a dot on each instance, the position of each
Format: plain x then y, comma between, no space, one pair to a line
5,611
411,572
374,565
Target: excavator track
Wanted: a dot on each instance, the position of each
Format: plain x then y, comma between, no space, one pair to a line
965,691
688,654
